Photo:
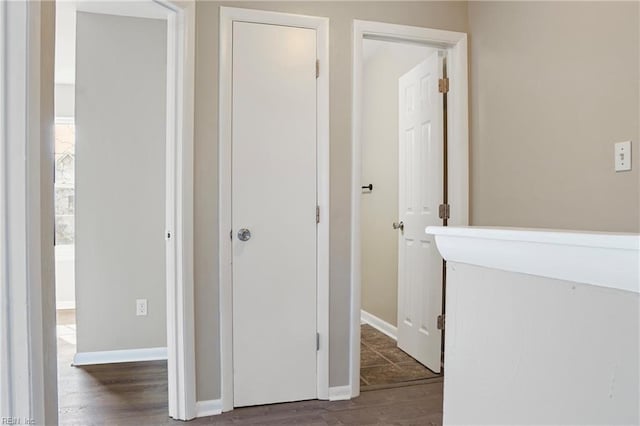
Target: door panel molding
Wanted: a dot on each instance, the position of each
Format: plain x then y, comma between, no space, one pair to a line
455,44
420,143
227,16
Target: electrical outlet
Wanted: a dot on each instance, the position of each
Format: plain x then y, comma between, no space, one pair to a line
622,152
141,307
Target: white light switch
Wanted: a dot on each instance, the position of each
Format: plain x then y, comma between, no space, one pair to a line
141,307
623,156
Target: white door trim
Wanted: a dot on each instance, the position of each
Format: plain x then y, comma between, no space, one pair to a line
22,366
181,358
21,358
456,45
227,16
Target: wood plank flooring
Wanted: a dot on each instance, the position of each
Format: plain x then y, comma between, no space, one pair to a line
136,394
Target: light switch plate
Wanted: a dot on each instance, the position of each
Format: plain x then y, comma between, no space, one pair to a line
622,152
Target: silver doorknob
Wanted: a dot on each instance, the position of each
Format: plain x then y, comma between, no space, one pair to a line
244,234
399,226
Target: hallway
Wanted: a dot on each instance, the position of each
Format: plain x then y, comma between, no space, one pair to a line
136,394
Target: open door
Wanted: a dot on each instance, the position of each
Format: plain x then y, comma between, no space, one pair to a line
420,194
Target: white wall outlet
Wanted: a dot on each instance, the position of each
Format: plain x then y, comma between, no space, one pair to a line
622,152
141,307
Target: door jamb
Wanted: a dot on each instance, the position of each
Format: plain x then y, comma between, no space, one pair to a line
181,357
26,111
458,162
227,16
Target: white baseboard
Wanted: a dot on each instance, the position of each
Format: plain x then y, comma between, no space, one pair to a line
126,355
378,324
339,393
211,407
66,305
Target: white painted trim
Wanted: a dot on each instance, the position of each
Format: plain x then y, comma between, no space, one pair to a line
179,218
211,407
65,304
6,383
22,143
5,364
125,355
456,45
596,258
592,239
227,16
379,324
340,393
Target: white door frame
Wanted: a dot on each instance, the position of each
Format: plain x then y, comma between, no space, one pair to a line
180,16
227,16
181,358
458,129
27,135
23,370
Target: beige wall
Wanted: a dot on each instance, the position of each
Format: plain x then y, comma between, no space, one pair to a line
120,188
451,16
385,63
553,86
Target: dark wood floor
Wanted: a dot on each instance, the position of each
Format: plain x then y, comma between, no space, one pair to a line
136,394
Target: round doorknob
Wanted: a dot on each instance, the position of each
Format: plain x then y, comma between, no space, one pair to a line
244,234
399,226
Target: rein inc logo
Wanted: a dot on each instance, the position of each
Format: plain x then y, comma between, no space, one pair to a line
17,421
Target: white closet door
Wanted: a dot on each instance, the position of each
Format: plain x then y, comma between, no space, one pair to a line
274,198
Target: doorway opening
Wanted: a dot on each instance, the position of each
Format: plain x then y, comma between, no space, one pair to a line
397,82
401,165
123,202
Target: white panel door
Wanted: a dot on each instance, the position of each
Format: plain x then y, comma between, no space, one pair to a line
274,197
420,193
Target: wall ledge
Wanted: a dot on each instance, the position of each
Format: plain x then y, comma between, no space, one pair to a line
610,260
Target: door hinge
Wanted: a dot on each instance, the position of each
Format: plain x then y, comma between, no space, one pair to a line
443,85
317,341
317,214
444,211
317,68
168,235
440,322
231,234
